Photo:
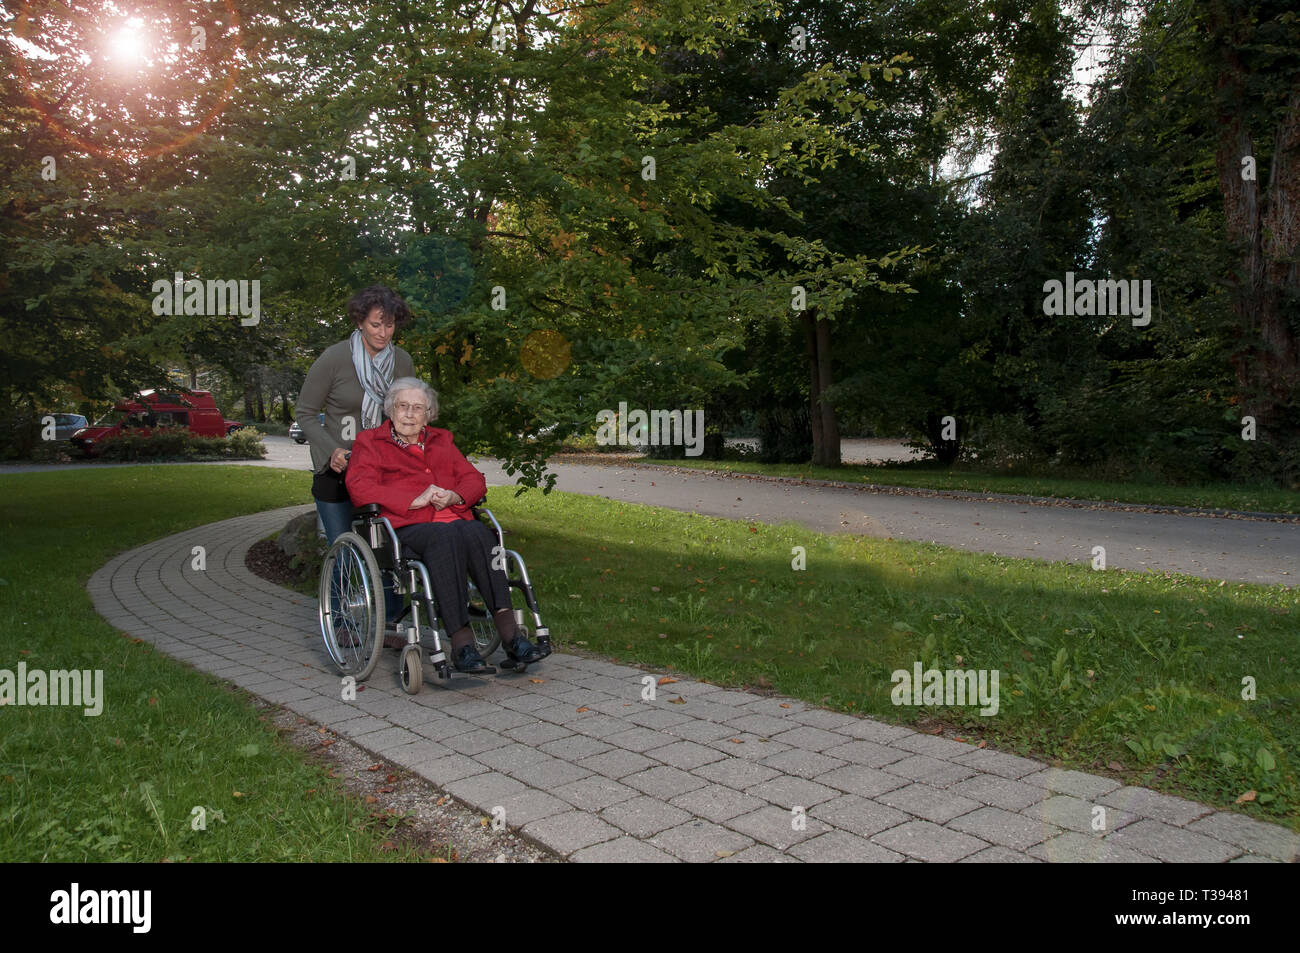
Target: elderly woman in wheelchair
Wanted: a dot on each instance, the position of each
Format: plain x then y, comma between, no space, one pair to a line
416,521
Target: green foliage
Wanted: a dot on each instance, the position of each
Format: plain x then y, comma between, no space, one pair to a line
246,443
181,444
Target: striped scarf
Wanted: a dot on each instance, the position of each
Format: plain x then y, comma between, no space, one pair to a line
375,374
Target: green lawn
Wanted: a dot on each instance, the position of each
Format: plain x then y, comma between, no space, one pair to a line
122,786
1144,670
1258,498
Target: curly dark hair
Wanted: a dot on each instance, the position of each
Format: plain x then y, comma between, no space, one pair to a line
388,301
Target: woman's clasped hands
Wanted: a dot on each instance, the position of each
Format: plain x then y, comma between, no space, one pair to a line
436,497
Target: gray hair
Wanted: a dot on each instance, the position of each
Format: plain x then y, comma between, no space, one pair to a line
411,383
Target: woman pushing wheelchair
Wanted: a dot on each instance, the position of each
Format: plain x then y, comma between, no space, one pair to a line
425,487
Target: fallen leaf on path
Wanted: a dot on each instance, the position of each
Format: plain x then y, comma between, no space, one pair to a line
375,767
371,799
537,681
724,853
679,700
582,709
667,680
1248,796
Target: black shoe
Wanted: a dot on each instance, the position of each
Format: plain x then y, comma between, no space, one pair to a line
523,652
468,660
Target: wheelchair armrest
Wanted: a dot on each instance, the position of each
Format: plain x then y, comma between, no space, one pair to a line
368,510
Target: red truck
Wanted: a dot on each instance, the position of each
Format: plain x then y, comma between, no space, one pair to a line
151,409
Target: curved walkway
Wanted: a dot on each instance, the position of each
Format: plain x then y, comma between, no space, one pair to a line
581,764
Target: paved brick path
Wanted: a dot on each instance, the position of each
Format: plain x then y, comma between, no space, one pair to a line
716,777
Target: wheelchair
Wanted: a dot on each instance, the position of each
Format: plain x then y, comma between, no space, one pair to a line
352,603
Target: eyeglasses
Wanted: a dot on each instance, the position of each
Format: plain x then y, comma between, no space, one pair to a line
404,408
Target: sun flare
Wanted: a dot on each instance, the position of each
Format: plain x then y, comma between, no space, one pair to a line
127,45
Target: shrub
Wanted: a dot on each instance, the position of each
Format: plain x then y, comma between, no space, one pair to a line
246,444
179,444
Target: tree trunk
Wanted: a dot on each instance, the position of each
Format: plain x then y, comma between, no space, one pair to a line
814,394
830,426
825,429
1264,229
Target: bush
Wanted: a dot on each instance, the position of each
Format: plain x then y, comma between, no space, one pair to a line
20,433
179,444
268,426
246,444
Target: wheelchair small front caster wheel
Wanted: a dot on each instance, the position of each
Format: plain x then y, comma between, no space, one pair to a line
412,670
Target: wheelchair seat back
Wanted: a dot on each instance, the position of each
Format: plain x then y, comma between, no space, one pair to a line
375,531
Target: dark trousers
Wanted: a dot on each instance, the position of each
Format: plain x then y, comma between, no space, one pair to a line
450,550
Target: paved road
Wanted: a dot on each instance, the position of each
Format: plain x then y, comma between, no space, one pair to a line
1240,550
1243,550
576,759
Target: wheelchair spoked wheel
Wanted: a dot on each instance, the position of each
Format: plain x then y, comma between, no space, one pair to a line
486,637
352,606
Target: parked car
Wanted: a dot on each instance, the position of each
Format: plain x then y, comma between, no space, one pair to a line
149,410
296,432
65,425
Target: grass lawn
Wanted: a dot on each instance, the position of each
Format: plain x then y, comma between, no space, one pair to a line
121,786
1262,498
1140,670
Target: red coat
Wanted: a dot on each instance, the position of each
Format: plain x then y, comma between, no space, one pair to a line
380,471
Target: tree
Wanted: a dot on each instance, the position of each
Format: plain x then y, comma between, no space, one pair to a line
1255,49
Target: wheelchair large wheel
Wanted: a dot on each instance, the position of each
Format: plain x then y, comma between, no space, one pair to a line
486,637
352,606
